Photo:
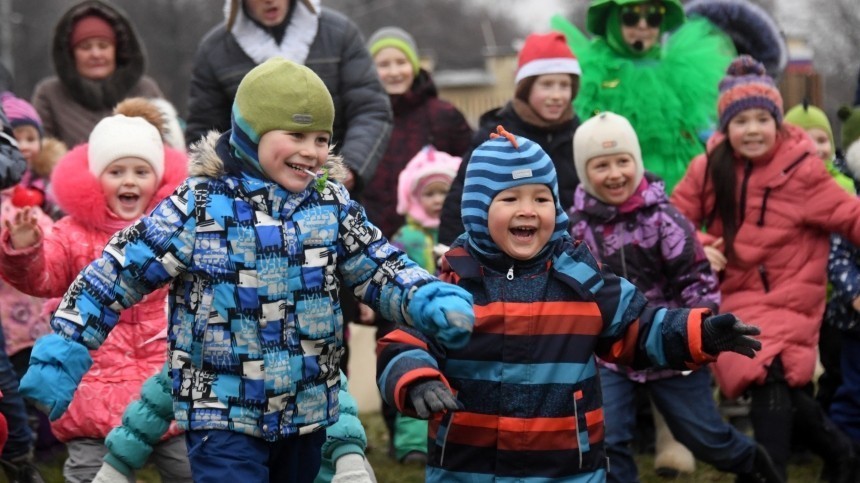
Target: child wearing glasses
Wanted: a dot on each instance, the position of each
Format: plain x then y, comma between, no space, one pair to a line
667,90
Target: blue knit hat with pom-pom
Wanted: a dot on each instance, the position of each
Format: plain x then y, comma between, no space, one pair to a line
503,162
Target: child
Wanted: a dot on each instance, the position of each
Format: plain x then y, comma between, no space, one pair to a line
814,121
421,190
103,186
547,80
526,384
624,216
253,246
764,193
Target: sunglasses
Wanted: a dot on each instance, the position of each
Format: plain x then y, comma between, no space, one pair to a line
632,14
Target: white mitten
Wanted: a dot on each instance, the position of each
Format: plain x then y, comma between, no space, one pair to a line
350,468
109,474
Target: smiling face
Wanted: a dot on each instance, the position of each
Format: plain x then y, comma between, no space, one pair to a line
752,132
613,177
129,185
95,58
285,155
29,142
521,220
822,143
394,69
270,13
551,95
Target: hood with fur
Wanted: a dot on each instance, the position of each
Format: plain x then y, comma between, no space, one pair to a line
130,57
79,194
204,160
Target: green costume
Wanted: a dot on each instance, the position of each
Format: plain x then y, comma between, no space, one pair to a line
668,93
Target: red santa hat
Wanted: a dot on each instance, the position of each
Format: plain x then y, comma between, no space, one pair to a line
546,54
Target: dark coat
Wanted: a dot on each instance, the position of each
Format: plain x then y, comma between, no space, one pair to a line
558,144
362,121
420,118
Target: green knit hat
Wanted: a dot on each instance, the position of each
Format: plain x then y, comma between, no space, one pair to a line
810,117
278,95
850,118
399,39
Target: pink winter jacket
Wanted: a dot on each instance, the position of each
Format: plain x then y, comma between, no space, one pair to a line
22,316
777,279
132,352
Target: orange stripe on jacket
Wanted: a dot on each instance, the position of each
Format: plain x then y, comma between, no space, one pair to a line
539,318
542,434
398,337
622,351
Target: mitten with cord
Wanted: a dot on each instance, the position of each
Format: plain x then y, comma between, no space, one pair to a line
443,311
725,332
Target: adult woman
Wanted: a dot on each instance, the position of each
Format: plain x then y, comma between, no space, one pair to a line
98,61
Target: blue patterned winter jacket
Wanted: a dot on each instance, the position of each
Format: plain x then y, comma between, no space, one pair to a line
255,325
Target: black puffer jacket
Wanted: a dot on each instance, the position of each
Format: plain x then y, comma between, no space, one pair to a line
362,122
557,142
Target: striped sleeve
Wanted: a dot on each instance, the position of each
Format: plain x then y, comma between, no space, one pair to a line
405,356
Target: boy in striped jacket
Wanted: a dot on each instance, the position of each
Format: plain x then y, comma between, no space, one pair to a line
522,400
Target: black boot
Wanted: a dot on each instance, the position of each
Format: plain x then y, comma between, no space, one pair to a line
825,439
763,470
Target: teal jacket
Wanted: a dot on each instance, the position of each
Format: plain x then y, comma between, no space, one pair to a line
147,419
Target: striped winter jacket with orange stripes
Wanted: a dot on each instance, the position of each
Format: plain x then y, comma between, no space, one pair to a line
527,380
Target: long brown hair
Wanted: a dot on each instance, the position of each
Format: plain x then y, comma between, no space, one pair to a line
721,171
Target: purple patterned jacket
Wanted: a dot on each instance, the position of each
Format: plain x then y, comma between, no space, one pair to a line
650,243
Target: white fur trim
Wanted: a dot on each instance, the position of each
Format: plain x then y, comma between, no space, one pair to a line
295,45
559,65
852,159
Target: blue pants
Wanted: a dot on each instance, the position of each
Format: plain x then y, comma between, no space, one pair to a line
687,404
845,408
226,456
20,440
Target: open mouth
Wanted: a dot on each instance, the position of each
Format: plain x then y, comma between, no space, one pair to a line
299,168
129,199
523,232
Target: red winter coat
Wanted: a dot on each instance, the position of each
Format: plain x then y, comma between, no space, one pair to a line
777,278
130,354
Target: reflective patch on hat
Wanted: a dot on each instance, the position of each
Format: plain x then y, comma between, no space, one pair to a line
522,173
609,144
303,118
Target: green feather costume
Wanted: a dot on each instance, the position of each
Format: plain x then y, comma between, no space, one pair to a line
668,93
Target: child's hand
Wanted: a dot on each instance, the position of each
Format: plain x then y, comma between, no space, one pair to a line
856,304
715,255
350,468
109,474
443,311
725,332
431,397
23,231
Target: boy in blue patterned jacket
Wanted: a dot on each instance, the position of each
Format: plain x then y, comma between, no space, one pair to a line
528,405
254,247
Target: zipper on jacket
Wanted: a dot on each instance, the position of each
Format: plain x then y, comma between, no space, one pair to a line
763,274
743,208
763,206
576,428
510,275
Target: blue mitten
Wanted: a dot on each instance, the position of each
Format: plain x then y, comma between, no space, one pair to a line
56,368
443,311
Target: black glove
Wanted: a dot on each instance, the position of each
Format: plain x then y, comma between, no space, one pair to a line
430,397
725,332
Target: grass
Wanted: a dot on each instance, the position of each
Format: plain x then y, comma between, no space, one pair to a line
388,471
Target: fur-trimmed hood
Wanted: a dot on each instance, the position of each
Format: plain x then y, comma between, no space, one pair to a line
79,194
204,160
52,150
130,57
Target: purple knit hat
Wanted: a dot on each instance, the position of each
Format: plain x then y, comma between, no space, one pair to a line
747,86
20,112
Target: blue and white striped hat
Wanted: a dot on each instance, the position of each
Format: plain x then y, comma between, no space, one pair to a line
503,162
